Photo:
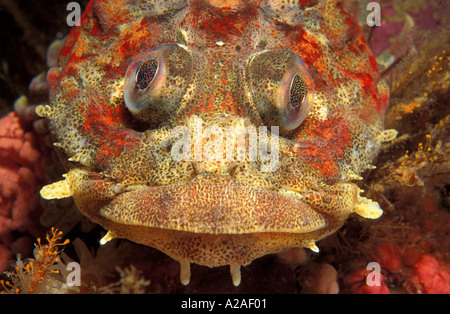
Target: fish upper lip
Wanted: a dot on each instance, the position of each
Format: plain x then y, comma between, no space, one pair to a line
213,204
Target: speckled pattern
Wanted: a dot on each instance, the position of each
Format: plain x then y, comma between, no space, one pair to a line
121,171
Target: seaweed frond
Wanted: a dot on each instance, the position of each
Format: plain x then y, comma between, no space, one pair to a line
41,274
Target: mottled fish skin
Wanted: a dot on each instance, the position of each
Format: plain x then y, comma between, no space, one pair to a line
226,64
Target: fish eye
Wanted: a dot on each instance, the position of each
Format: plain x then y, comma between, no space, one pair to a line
296,96
144,79
297,92
146,73
155,82
281,88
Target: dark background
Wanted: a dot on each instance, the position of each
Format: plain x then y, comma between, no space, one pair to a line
27,28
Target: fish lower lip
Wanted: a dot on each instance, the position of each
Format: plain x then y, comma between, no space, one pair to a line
213,205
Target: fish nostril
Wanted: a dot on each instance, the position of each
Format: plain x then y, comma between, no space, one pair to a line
231,167
166,145
197,166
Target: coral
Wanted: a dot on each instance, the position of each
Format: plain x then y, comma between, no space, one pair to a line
98,267
410,269
431,275
318,278
357,283
411,183
41,274
419,79
401,22
412,179
325,280
130,282
21,175
389,256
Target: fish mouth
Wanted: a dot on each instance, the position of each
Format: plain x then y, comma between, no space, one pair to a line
209,204
212,220
213,204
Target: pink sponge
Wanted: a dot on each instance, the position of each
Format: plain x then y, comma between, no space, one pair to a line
432,275
389,256
20,176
